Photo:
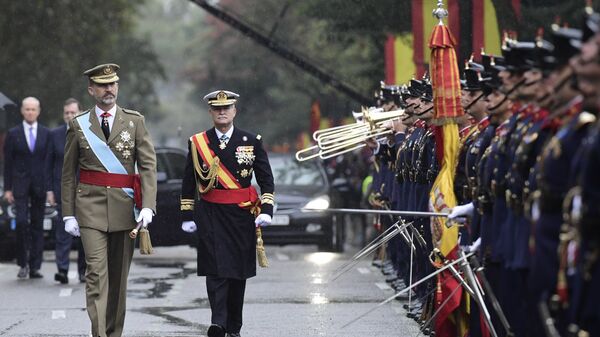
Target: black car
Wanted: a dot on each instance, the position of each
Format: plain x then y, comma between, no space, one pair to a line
301,185
166,225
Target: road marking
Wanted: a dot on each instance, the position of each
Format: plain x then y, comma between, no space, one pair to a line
282,257
363,270
72,275
58,314
65,292
383,286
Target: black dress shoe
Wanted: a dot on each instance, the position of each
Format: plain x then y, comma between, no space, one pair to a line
61,277
35,274
215,330
81,278
236,334
23,272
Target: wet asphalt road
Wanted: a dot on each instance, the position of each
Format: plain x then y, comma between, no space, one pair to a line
166,298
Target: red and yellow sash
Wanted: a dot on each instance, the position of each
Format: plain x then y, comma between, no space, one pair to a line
225,178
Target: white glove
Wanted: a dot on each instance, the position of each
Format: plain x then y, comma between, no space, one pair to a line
189,226
475,246
71,226
263,220
145,217
461,211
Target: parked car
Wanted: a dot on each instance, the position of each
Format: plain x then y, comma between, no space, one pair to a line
298,186
165,228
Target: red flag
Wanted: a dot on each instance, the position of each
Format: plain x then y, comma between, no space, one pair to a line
315,116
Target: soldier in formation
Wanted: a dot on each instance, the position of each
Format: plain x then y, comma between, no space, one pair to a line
526,183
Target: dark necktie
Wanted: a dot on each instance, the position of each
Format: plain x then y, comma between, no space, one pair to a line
105,127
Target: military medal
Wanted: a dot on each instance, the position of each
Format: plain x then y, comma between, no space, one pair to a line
222,145
125,145
245,155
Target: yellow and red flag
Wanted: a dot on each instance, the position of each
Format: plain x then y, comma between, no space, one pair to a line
399,60
451,302
486,32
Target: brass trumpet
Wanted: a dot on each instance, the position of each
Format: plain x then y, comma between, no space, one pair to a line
334,141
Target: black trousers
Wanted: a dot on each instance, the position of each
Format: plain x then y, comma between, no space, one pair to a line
226,297
30,230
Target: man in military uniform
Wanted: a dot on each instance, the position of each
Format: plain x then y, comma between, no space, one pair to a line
104,147
218,201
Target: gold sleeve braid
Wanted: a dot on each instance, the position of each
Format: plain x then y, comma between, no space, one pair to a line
267,198
187,204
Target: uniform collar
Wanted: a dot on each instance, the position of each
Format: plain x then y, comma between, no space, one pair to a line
112,111
228,133
483,123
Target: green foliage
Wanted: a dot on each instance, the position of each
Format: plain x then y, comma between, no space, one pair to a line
46,46
275,94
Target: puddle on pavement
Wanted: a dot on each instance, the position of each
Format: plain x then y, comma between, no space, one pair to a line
163,312
161,285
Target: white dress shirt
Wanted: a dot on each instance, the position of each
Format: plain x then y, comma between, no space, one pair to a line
26,127
228,134
111,119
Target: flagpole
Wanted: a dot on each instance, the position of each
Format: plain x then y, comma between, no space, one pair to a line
408,288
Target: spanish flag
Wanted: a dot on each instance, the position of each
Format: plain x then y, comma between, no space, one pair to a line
451,301
399,63
486,32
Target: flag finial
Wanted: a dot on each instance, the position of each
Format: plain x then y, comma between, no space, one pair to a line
440,12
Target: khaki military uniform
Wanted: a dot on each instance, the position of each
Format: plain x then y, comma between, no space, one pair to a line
105,214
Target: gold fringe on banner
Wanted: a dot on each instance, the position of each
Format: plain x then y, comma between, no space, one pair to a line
261,255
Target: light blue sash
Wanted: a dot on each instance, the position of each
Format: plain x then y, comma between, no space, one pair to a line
103,152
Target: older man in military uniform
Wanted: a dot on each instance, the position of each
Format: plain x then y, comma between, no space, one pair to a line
105,147
218,201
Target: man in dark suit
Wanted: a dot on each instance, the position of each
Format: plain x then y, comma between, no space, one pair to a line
26,184
64,240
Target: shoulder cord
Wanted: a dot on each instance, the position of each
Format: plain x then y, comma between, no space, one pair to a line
209,174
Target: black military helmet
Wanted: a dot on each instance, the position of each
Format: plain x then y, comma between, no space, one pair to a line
387,92
415,88
567,43
541,58
492,64
492,81
472,80
427,94
519,52
591,24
